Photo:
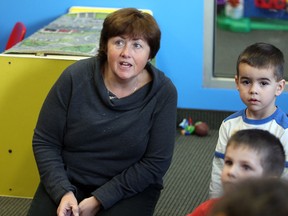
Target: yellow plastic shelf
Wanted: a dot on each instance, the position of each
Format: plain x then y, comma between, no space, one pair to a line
24,85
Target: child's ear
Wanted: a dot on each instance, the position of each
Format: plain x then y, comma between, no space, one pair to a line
280,87
236,82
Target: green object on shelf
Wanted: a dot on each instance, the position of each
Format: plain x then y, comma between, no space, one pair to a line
248,24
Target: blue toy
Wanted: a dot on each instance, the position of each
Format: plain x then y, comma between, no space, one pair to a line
187,127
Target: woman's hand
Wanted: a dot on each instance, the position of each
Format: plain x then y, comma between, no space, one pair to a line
68,205
89,206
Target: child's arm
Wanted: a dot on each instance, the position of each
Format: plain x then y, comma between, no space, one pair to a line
215,188
284,141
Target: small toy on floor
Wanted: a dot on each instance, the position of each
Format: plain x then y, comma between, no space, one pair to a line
199,128
188,127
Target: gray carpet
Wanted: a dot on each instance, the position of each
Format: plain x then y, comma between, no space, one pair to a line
14,206
186,182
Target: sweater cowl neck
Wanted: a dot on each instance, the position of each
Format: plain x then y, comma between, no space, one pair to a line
138,98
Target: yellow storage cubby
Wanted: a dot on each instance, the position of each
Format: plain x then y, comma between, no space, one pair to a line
24,84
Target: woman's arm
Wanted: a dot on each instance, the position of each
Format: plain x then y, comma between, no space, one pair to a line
48,139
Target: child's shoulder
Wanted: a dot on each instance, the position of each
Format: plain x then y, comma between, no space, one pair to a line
204,208
281,118
237,114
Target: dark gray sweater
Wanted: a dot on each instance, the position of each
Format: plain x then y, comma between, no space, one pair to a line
117,148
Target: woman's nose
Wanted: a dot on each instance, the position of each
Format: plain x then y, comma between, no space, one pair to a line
125,51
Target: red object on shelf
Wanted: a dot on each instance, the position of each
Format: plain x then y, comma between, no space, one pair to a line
233,3
271,4
17,35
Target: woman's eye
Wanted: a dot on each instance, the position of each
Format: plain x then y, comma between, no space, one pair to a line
137,45
119,43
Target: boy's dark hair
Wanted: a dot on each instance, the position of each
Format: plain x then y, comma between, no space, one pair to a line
254,197
131,22
263,55
266,145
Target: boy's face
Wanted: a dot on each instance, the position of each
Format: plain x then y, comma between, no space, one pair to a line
240,163
258,89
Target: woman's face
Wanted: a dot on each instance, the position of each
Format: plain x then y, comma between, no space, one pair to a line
127,57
